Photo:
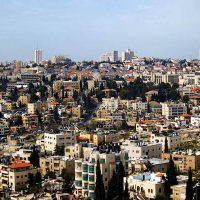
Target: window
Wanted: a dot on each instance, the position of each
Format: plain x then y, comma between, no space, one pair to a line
159,190
17,176
105,169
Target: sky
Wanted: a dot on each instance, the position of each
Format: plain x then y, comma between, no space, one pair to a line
83,29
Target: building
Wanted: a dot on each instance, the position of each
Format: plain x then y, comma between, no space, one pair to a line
147,185
178,192
16,175
127,55
57,164
109,57
140,165
138,149
63,138
184,160
85,171
38,56
32,107
22,154
24,99
172,109
4,128
173,140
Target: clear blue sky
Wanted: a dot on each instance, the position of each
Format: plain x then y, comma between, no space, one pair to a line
83,29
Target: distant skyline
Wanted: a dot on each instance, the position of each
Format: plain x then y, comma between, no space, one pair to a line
84,29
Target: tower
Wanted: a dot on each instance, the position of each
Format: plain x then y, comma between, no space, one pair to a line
38,56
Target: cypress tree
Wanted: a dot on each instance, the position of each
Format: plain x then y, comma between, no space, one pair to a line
120,180
34,157
99,189
126,193
189,186
112,187
166,150
171,177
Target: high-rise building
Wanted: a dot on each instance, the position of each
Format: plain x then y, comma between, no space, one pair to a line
127,55
109,57
18,65
38,56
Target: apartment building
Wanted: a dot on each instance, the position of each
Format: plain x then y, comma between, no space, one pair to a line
4,127
22,154
75,85
138,149
140,164
16,175
32,107
66,137
184,160
172,109
147,185
57,164
109,56
29,120
85,171
173,140
24,99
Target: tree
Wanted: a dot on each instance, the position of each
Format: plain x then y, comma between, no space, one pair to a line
56,114
171,177
39,117
112,187
99,188
19,121
120,180
38,178
34,157
149,166
75,95
166,150
60,150
186,98
189,186
31,181
126,193
68,179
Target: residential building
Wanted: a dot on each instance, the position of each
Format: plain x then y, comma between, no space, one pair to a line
38,56
16,175
63,138
146,185
127,55
184,160
85,171
138,149
109,57
173,140
172,109
57,164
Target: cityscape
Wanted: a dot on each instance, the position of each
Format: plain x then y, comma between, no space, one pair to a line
120,124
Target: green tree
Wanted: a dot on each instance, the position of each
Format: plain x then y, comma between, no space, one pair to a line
171,177
186,98
56,115
60,150
189,186
166,150
39,117
120,180
99,188
126,193
34,157
112,187
19,121
38,178
68,179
